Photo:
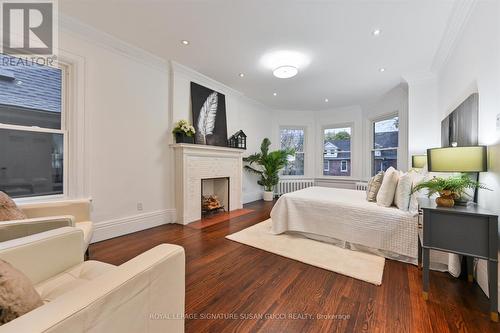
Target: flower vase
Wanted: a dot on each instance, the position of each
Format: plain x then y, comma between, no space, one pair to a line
445,199
183,138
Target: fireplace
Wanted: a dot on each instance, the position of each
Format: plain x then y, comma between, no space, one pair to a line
214,195
218,167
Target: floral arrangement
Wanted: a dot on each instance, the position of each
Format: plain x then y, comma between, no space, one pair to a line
184,127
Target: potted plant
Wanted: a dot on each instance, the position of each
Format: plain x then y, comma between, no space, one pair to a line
184,132
451,190
269,164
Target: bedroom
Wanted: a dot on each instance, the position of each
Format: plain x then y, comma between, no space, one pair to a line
354,87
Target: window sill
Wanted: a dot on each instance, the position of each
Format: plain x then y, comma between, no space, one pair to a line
337,178
43,199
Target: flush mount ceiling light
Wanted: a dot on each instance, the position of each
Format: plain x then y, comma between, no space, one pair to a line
285,72
376,32
185,42
326,100
381,70
241,74
284,63
275,94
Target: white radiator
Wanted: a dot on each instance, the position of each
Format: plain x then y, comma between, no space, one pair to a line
292,185
361,186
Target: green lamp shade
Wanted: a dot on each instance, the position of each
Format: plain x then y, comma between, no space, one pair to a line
418,161
457,159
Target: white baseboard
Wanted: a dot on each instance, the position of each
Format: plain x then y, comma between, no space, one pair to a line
126,225
252,196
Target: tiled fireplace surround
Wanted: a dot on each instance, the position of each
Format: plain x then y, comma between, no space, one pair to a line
196,162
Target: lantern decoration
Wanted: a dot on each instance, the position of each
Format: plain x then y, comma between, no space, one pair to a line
238,140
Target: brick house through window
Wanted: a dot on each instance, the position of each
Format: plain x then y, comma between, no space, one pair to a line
337,152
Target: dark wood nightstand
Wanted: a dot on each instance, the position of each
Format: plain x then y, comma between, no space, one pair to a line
466,230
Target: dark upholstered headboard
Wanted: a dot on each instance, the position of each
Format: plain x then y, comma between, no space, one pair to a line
461,126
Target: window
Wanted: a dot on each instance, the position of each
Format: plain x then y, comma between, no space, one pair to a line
293,138
337,151
32,131
385,144
343,166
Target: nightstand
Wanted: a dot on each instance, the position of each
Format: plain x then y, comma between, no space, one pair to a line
466,230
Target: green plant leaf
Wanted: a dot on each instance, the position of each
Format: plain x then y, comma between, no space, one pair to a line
270,162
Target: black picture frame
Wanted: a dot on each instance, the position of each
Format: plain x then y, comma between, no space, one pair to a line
211,128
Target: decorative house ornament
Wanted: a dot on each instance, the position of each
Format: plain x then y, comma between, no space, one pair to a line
209,116
238,140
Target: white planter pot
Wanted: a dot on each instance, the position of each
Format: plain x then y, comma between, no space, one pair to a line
268,195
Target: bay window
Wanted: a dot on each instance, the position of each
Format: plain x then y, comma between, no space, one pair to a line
293,138
385,144
337,151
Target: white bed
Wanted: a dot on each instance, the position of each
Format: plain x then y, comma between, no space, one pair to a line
345,218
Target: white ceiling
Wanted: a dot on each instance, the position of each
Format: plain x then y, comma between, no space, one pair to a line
230,37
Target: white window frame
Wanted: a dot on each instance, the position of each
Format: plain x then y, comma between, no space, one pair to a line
372,137
328,164
294,127
63,131
342,168
322,141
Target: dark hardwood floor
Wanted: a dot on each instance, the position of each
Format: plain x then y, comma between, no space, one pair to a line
236,284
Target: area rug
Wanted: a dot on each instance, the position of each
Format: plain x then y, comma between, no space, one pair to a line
358,265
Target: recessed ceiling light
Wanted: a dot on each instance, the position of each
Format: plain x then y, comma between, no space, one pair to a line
326,100
285,72
185,42
376,32
241,74
275,94
382,70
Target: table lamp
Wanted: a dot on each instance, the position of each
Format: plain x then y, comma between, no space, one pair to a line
418,161
458,159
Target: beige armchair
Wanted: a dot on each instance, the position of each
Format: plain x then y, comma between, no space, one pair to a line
48,216
145,294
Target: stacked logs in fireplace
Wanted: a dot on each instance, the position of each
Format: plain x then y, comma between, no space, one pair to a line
211,204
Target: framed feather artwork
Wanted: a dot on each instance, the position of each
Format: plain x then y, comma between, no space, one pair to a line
209,116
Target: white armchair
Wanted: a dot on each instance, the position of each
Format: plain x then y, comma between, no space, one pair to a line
48,216
145,294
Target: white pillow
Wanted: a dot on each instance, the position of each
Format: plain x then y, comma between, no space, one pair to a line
403,191
385,195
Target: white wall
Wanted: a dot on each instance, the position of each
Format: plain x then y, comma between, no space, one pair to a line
474,66
424,120
125,101
241,112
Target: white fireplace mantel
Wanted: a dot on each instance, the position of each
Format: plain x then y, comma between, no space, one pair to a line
196,162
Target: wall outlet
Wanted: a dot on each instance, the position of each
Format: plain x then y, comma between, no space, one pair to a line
139,206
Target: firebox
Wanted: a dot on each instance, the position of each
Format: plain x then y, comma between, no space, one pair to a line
214,196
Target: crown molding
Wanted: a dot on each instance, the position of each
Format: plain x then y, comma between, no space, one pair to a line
454,29
72,26
193,75
418,77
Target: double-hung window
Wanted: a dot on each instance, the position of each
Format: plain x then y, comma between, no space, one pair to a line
385,144
32,128
293,137
337,151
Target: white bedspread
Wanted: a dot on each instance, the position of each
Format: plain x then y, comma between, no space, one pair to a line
346,215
